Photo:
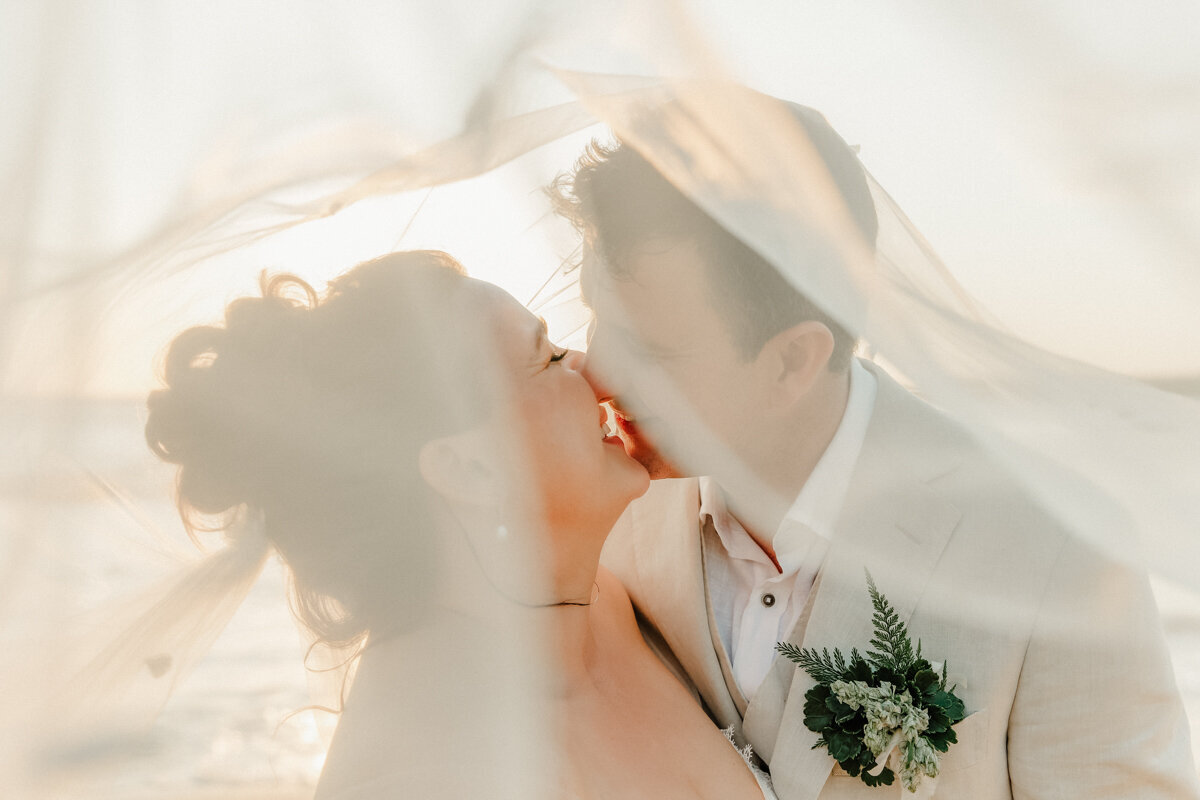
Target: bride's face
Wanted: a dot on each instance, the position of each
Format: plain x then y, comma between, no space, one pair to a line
561,464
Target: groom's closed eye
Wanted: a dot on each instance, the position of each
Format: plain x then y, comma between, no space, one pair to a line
637,347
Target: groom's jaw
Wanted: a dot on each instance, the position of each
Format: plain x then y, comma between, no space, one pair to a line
630,432
642,451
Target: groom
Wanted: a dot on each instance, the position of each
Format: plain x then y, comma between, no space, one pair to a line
818,465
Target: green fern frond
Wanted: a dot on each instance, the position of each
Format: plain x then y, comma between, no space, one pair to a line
824,667
893,647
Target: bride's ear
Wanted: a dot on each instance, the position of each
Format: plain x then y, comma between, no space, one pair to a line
455,467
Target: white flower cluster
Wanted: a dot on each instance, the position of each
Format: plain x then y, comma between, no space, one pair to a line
894,727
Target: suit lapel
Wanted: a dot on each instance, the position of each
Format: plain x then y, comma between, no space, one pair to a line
670,587
894,525
708,541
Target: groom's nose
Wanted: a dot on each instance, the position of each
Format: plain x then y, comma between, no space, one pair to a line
574,359
598,364
595,377
607,368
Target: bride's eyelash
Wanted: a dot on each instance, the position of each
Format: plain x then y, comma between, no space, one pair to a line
559,355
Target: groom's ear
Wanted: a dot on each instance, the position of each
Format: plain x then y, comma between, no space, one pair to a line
456,468
796,357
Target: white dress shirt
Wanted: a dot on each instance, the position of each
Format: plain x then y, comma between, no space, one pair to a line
756,604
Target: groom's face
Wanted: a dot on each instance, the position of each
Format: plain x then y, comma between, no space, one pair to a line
685,397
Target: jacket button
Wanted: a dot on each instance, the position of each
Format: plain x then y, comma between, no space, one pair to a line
768,599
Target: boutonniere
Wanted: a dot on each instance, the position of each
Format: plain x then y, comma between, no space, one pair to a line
886,712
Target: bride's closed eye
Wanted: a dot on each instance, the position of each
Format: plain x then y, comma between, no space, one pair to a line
556,354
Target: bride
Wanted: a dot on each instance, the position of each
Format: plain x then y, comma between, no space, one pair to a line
415,422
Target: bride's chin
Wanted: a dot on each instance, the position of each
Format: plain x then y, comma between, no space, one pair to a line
636,484
624,490
634,479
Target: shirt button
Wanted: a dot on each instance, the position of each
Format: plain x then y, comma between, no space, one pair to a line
768,599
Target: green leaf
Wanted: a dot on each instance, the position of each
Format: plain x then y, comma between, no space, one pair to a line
884,674
859,669
844,746
949,703
841,712
816,707
938,721
817,716
941,740
818,722
884,778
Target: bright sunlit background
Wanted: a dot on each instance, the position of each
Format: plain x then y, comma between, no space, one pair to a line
1046,151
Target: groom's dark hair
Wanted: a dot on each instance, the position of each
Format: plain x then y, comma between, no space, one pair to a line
618,201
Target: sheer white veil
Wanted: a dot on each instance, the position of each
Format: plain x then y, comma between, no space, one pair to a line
158,159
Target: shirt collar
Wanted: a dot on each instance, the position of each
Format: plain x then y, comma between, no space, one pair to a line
820,500
734,538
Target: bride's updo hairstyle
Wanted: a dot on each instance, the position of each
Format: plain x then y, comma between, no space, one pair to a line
306,414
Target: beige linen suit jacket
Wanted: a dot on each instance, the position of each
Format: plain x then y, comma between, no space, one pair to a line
1057,651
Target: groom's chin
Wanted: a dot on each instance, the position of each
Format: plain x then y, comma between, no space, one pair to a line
637,448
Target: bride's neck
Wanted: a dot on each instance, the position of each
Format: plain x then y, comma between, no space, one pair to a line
540,584
563,632
570,645
565,624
